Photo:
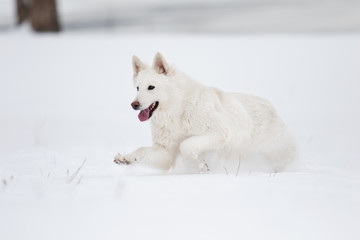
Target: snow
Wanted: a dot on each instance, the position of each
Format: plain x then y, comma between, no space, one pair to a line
65,112
230,16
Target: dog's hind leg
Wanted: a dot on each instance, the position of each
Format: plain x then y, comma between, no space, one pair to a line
194,147
155,156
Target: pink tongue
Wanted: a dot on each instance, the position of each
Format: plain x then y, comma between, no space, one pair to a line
144,115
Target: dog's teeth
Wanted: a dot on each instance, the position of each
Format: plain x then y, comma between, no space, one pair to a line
152,106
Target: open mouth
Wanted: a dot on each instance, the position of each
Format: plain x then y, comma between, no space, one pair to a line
147,113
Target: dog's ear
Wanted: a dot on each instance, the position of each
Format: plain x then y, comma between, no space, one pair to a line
138,65
160,65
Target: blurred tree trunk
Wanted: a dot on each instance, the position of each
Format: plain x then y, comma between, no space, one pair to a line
41,13
22,10
43,16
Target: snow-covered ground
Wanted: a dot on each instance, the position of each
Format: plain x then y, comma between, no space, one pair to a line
226,16
65,111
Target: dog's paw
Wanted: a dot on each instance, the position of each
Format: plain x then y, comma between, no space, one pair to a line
120,159
204,168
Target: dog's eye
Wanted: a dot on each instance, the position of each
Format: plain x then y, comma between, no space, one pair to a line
137,88
151,87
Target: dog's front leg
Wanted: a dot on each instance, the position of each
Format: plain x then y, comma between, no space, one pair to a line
155,156
193,148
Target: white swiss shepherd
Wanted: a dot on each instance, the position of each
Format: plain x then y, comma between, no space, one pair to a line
190,119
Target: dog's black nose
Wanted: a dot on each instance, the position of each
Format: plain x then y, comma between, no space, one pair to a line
135,105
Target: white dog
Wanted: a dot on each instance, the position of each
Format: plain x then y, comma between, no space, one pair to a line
190,119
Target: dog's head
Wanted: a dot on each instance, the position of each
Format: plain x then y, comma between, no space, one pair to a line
150,83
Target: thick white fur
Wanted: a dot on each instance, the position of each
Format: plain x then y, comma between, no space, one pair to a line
192,120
